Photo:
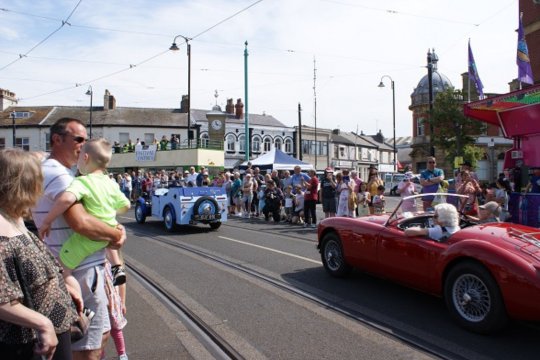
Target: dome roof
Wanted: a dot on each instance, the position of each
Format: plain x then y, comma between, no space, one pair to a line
420,94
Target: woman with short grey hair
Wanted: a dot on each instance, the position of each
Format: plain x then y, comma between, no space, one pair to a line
446,220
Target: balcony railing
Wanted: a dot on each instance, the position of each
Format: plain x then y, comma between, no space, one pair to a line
192,144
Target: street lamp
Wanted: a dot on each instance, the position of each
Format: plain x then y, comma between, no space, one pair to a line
13,123
91,93
174,47
381,85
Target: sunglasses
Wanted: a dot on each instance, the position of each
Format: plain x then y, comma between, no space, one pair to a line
431,162
77,139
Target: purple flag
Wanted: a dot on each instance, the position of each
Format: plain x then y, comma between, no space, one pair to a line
523,61
473,74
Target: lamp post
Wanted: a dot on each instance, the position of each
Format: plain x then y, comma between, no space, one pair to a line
174,47
13,123
91,93
381,84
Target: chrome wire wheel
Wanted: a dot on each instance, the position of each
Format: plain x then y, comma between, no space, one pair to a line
471,297
333,255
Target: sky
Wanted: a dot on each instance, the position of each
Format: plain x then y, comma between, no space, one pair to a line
331,51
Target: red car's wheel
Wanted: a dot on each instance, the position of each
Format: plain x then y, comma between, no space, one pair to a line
474,299
332,256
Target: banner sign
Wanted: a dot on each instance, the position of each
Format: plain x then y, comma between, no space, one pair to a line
146,154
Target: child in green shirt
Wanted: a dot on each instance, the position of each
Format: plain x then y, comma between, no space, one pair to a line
100,196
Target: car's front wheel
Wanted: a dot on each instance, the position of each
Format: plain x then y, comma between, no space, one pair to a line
474,299
140,215
169,219
332,256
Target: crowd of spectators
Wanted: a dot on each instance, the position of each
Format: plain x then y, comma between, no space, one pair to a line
171,143
281,196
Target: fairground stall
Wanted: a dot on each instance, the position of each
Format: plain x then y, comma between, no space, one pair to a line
518,115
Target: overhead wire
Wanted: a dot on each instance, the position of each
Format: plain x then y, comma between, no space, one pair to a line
64,22
131,66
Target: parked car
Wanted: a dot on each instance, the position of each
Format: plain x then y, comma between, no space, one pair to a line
184,206
486,273
392,180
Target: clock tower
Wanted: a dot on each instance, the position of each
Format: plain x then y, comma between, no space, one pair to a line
216,125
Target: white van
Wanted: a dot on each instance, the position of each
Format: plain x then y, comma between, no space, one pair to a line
391,181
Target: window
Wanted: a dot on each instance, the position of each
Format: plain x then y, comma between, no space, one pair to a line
48,141
204,140
341,152
230,141
2,143
267,144
123,138
242,143
256,145
278,143
23,143
311,147
149,138
352,153
364,154
288,146
305,147
420,130
323,148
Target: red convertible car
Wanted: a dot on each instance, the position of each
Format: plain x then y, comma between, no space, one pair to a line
486,273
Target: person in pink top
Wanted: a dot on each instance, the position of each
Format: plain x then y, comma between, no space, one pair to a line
311,196
406,188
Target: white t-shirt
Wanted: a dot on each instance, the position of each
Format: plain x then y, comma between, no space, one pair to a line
56,179
436,232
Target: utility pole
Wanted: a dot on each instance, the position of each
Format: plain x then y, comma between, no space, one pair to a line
430,89
299,131
315,108
247,102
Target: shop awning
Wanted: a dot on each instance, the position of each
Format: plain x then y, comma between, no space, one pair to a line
517,113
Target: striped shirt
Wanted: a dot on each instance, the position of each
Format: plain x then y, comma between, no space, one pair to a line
56,178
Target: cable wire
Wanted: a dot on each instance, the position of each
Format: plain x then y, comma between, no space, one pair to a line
64,22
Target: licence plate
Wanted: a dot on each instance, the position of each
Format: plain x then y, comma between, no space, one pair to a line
207,217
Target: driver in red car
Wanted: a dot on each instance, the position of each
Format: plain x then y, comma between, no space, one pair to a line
446,219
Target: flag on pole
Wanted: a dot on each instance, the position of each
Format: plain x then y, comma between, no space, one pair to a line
473,74
523,61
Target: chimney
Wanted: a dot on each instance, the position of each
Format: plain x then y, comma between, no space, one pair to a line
239,109
184,104
229,108
7,99
379,137
109,102
335,131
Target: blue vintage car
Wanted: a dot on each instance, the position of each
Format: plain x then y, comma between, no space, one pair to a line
184,206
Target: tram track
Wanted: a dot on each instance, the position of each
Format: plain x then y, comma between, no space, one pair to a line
211,340
430,349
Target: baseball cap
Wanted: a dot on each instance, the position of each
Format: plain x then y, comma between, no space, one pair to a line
328,169
491,206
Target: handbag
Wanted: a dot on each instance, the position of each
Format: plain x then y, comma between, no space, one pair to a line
80,326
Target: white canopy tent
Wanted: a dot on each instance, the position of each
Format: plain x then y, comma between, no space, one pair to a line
276,159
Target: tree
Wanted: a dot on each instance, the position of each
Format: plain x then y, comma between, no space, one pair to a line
453,132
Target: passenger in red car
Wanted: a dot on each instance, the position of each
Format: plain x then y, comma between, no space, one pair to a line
446,220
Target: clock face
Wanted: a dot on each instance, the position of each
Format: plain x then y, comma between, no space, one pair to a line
216,124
